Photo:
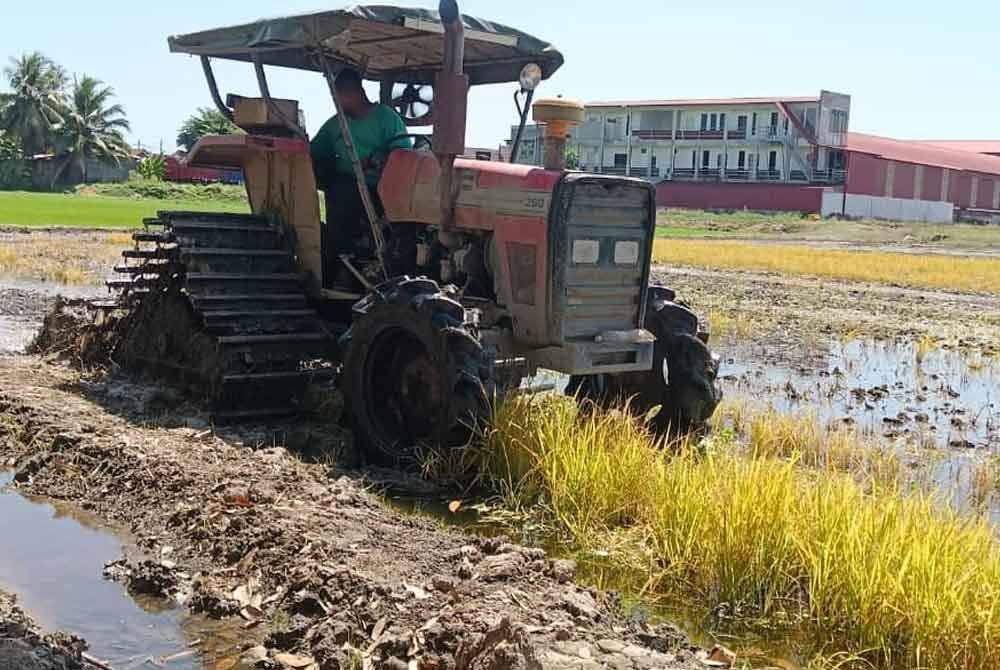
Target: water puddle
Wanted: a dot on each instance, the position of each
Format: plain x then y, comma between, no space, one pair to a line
23,305
52,557
939,407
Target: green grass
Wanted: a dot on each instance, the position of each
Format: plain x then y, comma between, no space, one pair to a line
19,208
857,566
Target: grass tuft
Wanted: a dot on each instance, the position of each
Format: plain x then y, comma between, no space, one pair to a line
894,579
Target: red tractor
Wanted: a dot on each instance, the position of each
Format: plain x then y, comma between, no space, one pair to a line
478,273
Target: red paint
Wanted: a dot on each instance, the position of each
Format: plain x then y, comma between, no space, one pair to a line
904,175
984,198
180,171
931,188
866,174
922,154
494,174
961,189
768,197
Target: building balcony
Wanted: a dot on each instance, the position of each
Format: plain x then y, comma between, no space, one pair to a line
653,134
700,134
829,176
738,134
644,172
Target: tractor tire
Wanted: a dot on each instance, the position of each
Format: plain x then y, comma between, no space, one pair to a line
682,380
415,372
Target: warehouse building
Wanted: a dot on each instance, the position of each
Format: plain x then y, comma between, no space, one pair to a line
780,153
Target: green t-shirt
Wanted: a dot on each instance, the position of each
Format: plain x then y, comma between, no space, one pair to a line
381,124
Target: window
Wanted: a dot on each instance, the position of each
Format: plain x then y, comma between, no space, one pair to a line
694,159
786,125
741,159
741,122
715,121
706,157
772,161
621,160
753,128
722,121
704,121
718,160
774,123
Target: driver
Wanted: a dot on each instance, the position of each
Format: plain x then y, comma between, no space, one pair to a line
374,127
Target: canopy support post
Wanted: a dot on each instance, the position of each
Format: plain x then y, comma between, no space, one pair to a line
213,88
265,92
352,153
452,89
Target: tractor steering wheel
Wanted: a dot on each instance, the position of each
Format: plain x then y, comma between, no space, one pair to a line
378,158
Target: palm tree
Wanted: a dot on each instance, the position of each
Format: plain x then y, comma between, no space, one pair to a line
93,128
33,111
206,121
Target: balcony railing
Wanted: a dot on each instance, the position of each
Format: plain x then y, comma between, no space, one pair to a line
738,134
700,134
619,171
829,176
653,134
769,175
644,172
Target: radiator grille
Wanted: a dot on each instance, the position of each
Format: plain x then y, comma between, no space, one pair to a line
605,293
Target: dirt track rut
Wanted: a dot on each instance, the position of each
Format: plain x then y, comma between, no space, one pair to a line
304,552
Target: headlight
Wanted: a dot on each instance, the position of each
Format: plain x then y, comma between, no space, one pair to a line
626,252
586,252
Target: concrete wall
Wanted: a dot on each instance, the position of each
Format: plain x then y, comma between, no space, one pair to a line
879,207
762,197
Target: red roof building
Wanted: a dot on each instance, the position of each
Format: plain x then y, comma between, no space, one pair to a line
988,147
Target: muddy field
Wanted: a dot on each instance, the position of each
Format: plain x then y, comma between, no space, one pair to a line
314,567
262,547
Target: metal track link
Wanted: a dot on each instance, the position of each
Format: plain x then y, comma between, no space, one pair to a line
216,305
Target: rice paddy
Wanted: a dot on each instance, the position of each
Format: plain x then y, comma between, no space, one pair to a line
964,273
787,531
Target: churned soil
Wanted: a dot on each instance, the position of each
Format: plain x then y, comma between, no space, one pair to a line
771,304
316,565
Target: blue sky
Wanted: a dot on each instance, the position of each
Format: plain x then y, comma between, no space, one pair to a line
914,69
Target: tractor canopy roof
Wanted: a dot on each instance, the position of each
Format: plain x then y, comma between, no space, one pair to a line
401,44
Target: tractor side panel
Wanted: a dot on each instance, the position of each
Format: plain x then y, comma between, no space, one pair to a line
280,182
512,201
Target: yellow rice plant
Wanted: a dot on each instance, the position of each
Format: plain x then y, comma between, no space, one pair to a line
978,274
896,579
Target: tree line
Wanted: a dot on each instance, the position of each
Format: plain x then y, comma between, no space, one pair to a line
47,111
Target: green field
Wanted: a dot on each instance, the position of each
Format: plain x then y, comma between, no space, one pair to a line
19,208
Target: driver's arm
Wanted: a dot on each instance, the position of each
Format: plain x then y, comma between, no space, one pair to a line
393,127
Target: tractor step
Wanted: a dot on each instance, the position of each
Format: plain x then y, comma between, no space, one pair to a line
222,217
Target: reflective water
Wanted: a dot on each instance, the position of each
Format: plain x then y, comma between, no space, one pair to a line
51,557
939,407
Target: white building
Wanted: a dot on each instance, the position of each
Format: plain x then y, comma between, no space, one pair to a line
775,139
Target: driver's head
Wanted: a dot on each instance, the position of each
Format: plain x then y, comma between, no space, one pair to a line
350,92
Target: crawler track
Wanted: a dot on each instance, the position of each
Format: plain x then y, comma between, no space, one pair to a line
212,302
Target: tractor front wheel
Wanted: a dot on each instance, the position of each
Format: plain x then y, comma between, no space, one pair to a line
682,381
415,371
